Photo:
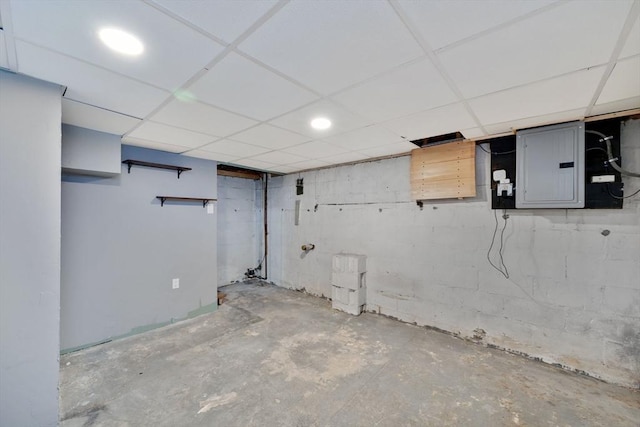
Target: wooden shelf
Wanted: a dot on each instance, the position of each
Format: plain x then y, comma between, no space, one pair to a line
130,163
185,199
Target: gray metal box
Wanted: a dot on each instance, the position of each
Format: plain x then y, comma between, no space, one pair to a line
550,167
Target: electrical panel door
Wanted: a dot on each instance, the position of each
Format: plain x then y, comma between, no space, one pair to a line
550,167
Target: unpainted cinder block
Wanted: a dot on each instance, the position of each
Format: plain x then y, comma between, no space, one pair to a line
350,300
355,310
348,280
340,295
349,263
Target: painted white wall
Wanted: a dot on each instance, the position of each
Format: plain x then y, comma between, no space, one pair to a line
573,296
30,112
89,152
121,250
239,227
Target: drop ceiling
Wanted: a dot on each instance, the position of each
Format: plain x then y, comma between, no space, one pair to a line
239,81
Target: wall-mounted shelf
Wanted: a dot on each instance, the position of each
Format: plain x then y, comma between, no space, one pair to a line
185,199
130,163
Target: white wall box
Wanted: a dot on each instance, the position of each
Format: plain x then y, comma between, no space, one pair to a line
550,166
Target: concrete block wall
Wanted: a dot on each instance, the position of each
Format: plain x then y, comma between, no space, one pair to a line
239,227
573,295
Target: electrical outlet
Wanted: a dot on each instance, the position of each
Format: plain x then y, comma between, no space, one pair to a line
175,283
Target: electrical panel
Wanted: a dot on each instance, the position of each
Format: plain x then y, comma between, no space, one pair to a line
550,166
603,187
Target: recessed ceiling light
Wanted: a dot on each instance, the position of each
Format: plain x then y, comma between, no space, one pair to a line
121,41
321,123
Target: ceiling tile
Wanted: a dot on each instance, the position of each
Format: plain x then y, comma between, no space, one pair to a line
279,158
269,136
299,121
213,16
4,60
404,91
472,133
158,132
283,169
434,19
234,148
309,164
564,93
254,164
543,120
359,39
315,149
219,157
202,118
89,84
624,81
239,85
90,117
364,138
612,107
555,42
173,52
437,121
350,156
390,149
152,144
632,45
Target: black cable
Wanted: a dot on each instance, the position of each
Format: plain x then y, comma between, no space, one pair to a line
607,152
612,159
620,197
493,152
504,216
595,132
493,239
599,149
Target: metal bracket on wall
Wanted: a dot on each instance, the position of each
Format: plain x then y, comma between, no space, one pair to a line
130,163
185,199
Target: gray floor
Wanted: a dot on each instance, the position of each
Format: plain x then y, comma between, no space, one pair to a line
273,357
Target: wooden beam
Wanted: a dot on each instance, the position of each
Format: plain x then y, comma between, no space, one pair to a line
240,174
625,113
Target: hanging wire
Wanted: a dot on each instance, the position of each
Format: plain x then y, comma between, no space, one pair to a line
495,153
502,268
621,197
598,149
612,160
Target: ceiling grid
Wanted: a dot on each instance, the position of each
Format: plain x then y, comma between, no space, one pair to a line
239,81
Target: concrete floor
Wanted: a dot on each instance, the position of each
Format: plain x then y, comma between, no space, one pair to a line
274,357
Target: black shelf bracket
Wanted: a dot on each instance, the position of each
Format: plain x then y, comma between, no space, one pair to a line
204,200
178,169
